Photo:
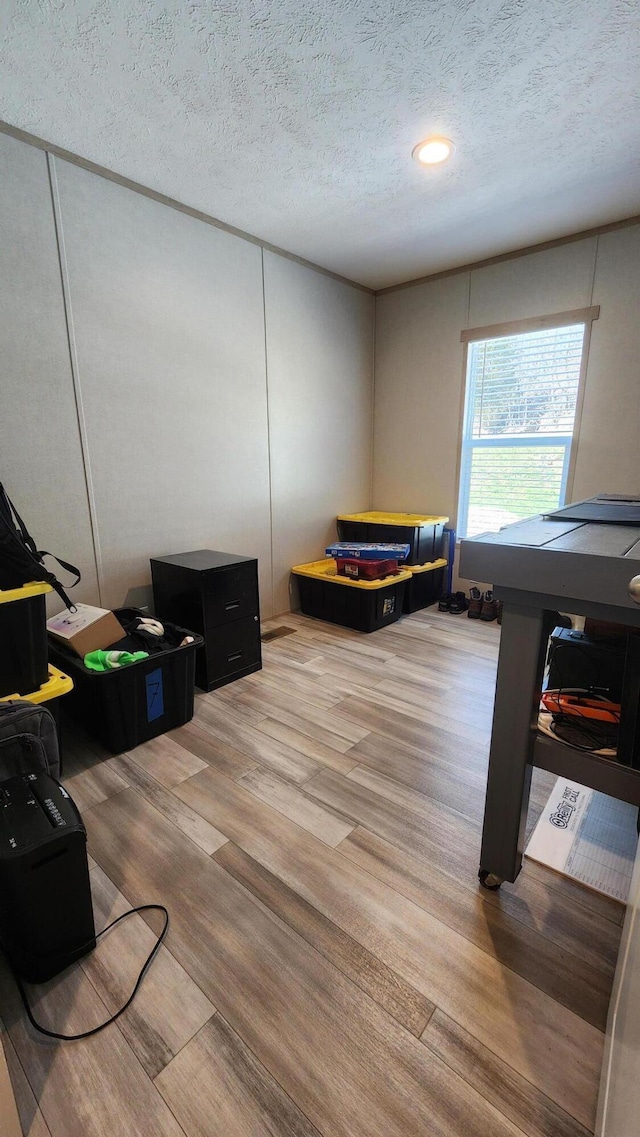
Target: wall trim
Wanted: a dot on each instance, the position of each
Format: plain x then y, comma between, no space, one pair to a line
532,324
582,235
269,462
75,376
372,465
137,187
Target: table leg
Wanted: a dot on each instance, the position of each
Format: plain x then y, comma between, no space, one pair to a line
520,668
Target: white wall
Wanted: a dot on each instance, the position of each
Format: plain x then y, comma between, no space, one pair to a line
40,453
419,381
168,325
609,449
170,447
553,280
320,364
418,391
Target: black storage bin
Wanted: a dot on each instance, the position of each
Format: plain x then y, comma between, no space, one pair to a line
426,585
130,705
361,604
23,639
425,535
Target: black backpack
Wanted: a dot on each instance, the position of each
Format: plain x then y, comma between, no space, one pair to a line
20,560
28,740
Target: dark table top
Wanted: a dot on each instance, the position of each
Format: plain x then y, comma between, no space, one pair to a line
587,564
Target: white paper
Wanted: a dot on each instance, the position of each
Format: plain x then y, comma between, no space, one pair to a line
588,836
67,624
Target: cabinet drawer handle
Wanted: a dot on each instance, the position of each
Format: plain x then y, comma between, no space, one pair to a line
236,655
634,589
231,604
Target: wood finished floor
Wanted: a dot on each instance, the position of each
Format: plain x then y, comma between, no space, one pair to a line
332,967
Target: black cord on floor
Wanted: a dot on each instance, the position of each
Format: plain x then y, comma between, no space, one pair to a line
145,968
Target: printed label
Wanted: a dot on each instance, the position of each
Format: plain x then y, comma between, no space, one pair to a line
565,808
53,810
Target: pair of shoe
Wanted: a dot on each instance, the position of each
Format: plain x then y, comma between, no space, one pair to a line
453,602
482,606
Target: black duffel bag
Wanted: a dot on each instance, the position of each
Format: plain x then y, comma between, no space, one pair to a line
28,740
20,561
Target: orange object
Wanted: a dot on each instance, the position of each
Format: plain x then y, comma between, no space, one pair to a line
580,706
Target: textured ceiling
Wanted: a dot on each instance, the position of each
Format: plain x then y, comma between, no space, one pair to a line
294,119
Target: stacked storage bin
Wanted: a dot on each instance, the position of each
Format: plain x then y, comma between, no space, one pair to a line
24,669
342,592
425,536
365,605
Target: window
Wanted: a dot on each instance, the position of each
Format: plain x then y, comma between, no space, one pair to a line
520,407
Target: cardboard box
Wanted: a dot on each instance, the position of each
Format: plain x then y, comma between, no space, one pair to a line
87,629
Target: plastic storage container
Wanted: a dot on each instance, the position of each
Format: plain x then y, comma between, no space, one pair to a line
23,639
426,585
365,605
365,570
130,705
423,533
56,684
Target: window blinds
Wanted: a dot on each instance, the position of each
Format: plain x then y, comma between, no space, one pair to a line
520,408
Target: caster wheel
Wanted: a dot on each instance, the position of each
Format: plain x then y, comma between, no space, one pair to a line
489,880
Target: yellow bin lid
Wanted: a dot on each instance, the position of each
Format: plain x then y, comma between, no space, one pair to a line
409,520
35,588
328,570
57,684
428,566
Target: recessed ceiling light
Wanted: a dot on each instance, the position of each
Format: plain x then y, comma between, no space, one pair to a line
433,150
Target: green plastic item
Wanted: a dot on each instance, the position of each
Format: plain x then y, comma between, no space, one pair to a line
110,660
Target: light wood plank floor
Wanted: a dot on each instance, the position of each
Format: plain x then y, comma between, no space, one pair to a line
332,966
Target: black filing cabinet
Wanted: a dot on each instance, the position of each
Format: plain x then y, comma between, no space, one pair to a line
215,594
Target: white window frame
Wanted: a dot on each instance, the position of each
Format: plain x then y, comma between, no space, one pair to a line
467,444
